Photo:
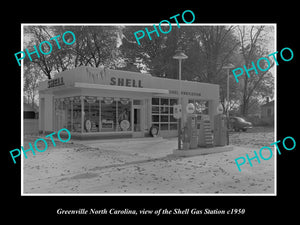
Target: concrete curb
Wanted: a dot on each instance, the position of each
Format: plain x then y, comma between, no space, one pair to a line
202,151
154,139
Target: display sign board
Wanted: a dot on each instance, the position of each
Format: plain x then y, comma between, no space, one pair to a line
190,108
124,124
177,111
200,107
220,109
88,125
107,124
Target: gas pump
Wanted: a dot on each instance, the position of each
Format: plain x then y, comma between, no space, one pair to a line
190,137
192,130
220,130
205,136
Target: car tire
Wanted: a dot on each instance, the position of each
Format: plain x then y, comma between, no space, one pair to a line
154,131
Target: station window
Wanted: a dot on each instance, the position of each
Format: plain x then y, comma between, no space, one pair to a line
105,115
108,114
124,114
115,115
68,113
91,114
75,114
60,114
162,113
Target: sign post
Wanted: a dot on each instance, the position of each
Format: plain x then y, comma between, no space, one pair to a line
180,56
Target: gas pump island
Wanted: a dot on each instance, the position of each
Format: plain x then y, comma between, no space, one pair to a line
197,130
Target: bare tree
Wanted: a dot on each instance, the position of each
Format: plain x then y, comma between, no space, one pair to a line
38,34
32,76
252,47
94,46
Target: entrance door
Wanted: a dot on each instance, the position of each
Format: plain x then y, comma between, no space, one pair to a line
138,121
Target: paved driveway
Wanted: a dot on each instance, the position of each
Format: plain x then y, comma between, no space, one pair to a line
142,166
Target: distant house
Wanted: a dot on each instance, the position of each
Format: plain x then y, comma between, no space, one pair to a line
267,112
30,122
29,112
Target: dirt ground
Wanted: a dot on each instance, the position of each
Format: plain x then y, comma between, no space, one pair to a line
256,137
147,166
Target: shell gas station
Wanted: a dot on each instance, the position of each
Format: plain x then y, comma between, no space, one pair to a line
96,103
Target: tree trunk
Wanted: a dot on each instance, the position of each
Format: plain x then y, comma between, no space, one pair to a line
244,109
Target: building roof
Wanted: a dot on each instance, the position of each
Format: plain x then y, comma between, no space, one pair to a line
108,80
269,104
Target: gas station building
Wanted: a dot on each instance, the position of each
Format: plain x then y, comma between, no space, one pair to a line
96,103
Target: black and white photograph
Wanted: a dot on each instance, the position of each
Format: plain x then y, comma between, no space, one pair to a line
154,114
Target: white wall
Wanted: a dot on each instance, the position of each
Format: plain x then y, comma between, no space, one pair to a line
46,114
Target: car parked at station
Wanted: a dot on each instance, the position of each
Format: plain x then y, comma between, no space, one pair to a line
239,123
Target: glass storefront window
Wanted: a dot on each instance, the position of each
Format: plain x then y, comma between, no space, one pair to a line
68,105
164,101
155,118
164,126
164,118
173,101
115,114
173,126
155,101
68,114
155,109
91,114
76,114
108,115
60,114
124,114
164,109
162,113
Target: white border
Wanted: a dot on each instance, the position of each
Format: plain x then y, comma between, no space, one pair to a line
275,112
150,24
22,110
